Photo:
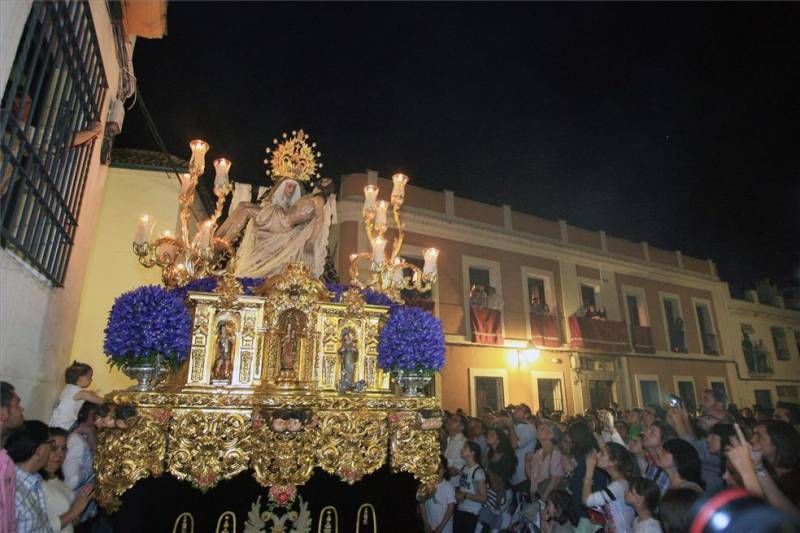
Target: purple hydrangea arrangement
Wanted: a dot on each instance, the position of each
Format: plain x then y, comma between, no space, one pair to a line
411,339
144,323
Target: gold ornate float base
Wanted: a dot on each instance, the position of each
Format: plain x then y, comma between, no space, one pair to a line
204,437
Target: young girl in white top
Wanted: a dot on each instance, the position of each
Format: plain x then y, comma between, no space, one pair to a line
644,495
471,492
78,377
621,466
437,511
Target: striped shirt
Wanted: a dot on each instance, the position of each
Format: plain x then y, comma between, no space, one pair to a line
30,504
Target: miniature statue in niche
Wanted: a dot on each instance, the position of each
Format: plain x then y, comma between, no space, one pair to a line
348,355
290,331
223,362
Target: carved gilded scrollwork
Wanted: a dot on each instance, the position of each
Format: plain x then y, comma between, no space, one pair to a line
352,444
126,456
413,449
207,436
284,458
205,447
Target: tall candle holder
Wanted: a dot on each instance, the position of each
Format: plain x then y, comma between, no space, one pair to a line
387,271
183,258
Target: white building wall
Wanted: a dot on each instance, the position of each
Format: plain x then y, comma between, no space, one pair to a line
762,318
37,321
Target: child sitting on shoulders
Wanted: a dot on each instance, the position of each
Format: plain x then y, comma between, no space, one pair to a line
78,377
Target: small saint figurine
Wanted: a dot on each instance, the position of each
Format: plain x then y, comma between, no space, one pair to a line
348,354
288,348
223,363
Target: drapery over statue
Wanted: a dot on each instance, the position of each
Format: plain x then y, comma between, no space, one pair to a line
289,224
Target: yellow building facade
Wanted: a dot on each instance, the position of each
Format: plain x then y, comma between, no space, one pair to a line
138,182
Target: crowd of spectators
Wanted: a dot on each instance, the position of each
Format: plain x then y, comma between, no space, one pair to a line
46,470
652,469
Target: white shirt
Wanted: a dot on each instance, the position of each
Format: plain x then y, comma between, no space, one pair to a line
453,454
526,442
59,499
66,411
77,465
436,506
618,514
468,483
651,525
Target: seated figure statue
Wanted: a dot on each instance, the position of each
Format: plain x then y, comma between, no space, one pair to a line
284,228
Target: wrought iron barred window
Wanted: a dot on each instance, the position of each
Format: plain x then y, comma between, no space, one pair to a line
55,90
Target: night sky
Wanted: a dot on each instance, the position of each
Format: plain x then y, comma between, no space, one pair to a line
676,124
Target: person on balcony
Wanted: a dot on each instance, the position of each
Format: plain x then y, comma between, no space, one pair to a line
493,300
477,296
539,308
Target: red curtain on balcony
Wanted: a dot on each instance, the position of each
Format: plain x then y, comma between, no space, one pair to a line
487,325
642,339
544,330
593,334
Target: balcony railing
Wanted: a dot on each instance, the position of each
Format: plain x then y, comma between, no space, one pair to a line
758,361
642,337
593,334
545,330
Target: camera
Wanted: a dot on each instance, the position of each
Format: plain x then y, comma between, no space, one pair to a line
675,401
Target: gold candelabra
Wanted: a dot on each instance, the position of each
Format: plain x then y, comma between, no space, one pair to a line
387,272
183,258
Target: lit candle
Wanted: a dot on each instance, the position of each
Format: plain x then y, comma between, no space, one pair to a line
221,167
204,235
431,255
199,149
399,189
370,195
378,250
143,229
166,234
380,213
398,272
187,183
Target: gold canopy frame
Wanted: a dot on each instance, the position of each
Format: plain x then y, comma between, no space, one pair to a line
260,391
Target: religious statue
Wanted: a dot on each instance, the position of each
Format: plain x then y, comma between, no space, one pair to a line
284,228
223,363
288,349
348,355
291,330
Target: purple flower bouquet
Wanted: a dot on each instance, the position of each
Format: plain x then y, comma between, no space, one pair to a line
411,340
144,323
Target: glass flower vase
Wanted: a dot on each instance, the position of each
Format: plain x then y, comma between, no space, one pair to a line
412,382
147,374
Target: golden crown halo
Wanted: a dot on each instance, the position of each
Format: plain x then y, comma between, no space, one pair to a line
293,158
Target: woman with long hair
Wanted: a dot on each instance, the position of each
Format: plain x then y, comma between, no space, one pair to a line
621,466
559,515
681,462
583,444
64,506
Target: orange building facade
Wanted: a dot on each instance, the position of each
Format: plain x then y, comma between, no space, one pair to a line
666,328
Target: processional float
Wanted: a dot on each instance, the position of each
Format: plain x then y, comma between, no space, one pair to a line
283,375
